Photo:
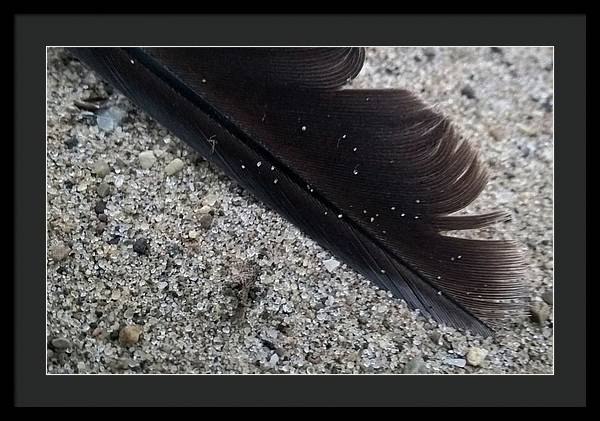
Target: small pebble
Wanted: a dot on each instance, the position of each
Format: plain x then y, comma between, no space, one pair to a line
101,168
100,227
205,209
526,130
174,166
130,335
140,246
331,264
103,189
109,119
429,53
205,220
147,159
98,333
414,366
476,355
540,312
100,207
496,134
436,338
59,252
209,200
103,218
60,344
468,91
71,142
548,297
457,362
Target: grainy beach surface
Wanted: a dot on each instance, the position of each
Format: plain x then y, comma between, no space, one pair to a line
158,263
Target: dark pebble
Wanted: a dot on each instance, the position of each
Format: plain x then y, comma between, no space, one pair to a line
141,246
100,227
72,142
103,217
548,297
99,313
100,206
174,250
429,53
93,325
114,335
114,240
68,184
468,92
417,59
206,220
496,50
60,344
547,105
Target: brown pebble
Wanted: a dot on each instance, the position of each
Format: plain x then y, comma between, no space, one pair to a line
59,252
540,311
130,335
496,134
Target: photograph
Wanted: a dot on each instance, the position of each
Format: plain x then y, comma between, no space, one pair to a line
299,210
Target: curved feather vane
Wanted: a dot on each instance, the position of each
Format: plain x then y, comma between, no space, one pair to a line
373,175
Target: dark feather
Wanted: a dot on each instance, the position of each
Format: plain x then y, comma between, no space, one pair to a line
373,175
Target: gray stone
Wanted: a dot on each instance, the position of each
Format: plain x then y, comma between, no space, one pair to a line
331,264
436,338
100,227
540,311
141,246
103,189
60,344
174,166
205,220
147,159
59,252
415,366
429,53
109,119
468,91
101,168
548,297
